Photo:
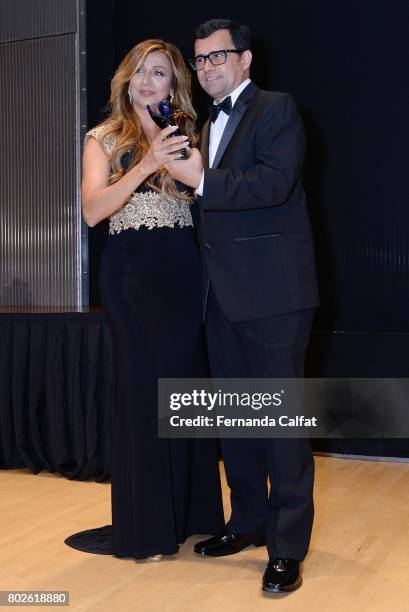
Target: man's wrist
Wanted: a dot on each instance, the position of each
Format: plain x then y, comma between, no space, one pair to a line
199,188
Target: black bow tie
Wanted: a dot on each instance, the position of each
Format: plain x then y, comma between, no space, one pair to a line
214,109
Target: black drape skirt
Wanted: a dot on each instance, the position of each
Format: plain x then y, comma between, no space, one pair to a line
163,490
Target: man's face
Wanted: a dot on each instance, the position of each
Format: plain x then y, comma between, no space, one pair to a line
220,81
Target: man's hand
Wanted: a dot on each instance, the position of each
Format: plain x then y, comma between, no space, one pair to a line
187,171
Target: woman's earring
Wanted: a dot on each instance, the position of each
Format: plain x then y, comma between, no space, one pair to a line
130,94
172,95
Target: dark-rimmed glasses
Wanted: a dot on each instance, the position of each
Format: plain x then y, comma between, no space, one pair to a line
215,57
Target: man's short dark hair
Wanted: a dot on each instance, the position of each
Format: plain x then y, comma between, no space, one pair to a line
240,33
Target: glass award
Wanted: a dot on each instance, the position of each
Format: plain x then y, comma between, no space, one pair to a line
166,117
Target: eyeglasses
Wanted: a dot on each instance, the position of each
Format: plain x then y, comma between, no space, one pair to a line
215,57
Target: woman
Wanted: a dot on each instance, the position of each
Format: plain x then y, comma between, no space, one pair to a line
163,490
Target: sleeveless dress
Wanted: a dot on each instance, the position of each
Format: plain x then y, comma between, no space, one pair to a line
163,490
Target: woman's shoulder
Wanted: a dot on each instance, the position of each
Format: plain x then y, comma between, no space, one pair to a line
104,135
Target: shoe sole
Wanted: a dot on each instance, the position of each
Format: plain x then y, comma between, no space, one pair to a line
256,544
209,554
288,589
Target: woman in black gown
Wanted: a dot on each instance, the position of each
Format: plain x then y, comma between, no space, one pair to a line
163,490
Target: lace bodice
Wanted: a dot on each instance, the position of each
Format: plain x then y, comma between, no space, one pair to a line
144,207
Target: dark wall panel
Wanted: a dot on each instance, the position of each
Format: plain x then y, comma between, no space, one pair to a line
100,69
23,19
38,161
346,63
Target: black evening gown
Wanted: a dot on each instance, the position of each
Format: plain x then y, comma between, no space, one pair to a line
163,490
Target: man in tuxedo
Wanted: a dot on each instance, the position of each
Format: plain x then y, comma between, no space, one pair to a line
261,291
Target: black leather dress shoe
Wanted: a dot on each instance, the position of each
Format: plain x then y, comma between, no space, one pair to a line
227,544
282,576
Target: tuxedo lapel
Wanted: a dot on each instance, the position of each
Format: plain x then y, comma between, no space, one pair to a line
229,130
234,120
204,144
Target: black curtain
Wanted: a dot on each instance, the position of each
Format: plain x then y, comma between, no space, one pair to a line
56,393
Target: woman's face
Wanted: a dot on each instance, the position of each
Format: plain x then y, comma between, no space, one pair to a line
152,82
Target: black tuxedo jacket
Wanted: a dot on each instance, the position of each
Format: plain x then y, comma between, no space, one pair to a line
254,231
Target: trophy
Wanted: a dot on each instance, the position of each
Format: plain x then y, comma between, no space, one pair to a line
167,117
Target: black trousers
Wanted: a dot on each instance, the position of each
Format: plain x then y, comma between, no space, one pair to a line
265,348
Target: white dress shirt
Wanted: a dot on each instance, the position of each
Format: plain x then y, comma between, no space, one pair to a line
217,129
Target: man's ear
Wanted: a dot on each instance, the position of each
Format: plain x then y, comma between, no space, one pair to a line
246,58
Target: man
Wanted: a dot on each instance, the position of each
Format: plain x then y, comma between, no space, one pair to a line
257,246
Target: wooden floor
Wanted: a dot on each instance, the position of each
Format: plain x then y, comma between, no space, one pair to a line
359,557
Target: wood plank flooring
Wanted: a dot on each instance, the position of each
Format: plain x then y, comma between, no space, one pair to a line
359,557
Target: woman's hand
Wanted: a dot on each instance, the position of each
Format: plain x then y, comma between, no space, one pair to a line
162,150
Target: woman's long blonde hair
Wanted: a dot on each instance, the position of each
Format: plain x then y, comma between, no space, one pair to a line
124,125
